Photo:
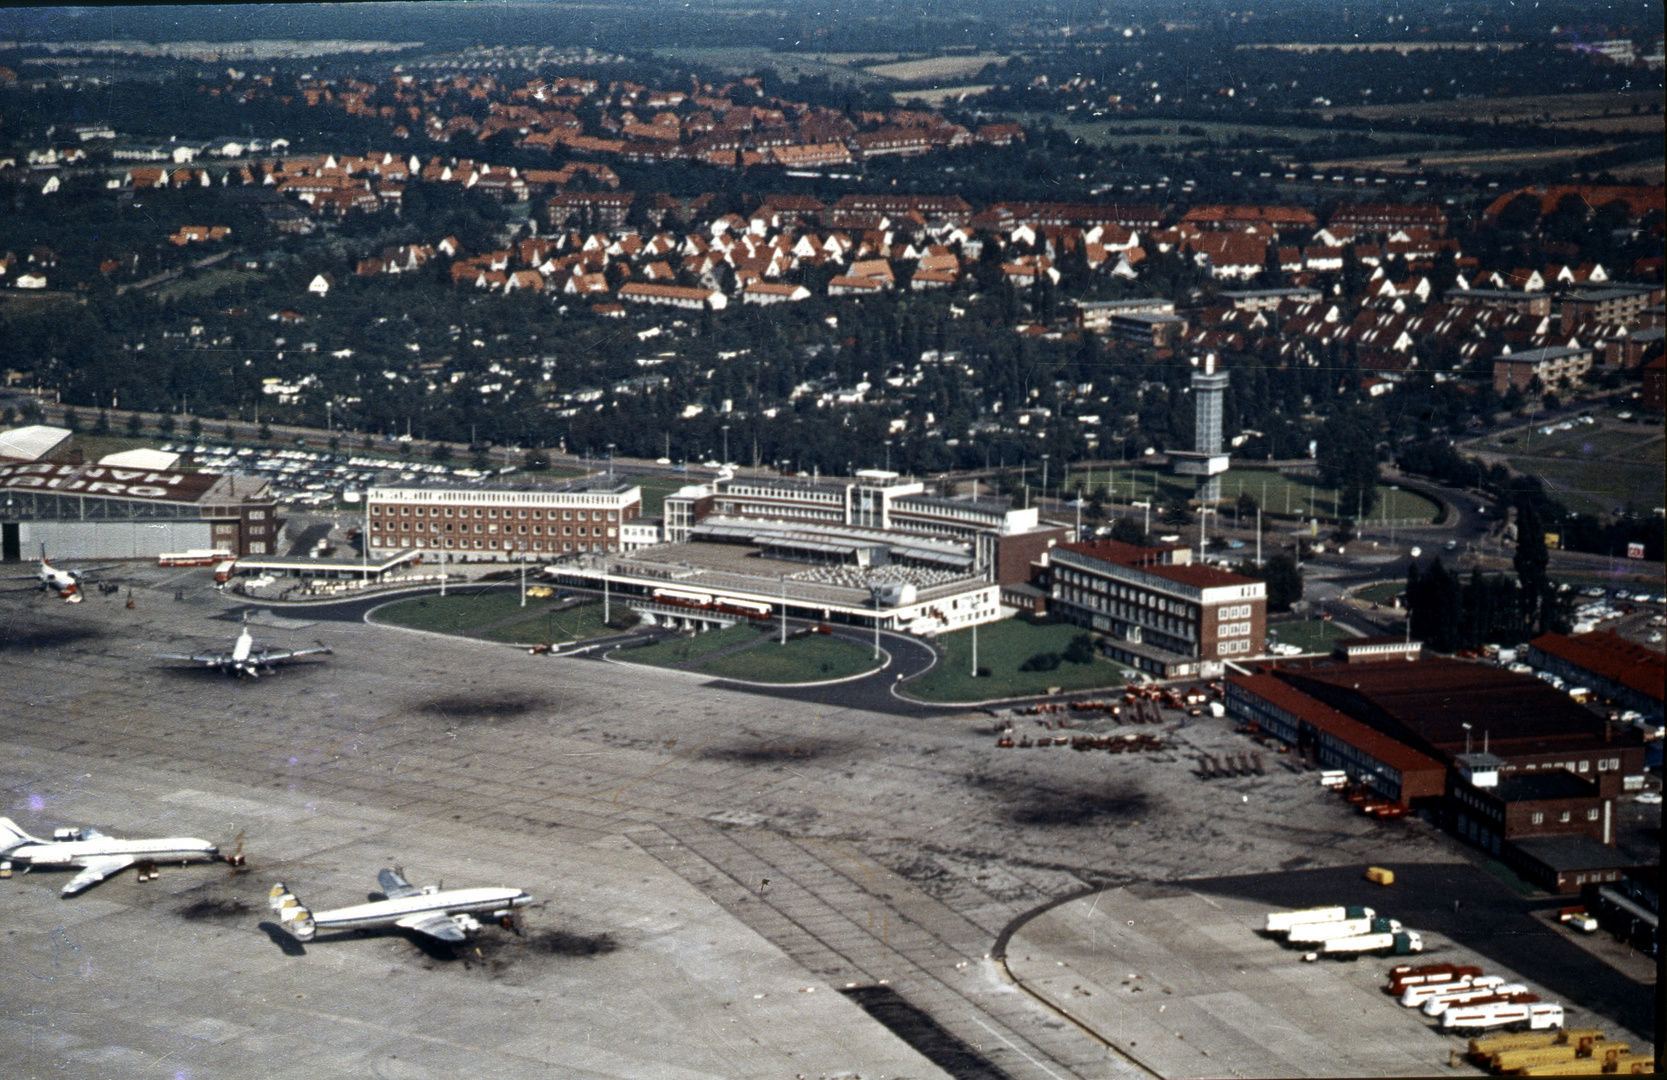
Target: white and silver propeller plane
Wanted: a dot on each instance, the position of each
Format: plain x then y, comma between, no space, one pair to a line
445,914
243,658
98,856
66,583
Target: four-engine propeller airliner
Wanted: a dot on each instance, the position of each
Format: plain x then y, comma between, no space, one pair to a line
98,856
243,658
446,914
66,583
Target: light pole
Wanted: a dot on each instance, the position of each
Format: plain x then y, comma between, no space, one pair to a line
726,444
888,455
1044,476
1146,506
975,650
783,608
610,461
876,590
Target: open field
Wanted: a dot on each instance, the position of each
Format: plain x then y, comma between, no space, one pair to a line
204,283
460,612
1382,592
678,651
743,60
14,304
1480,161
655,489
1002,647
800,660
1277,492
1588,490
1111,134
936,67
938,95
1538,108
1312,636
551,626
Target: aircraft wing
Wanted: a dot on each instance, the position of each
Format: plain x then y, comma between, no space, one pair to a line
435,924
95,870
197,658
265,657
80,572
394,885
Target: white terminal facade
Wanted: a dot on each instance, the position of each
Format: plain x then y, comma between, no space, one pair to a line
490,524
875,549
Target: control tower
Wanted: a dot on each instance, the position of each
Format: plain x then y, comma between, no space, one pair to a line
1205,460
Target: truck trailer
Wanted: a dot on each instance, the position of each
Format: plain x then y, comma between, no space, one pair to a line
1416,996
1281,921
1509,992
1325,931
1403,976
1497,1014
1399,943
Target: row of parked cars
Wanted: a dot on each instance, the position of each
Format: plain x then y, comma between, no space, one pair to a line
317,478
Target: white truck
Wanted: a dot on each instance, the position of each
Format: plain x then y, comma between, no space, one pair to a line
1514,992
1325,931
1493,1014
1417,995
1398,943
1281,921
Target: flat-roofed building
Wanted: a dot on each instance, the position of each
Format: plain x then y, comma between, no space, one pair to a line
1370,758
1621,670
1445,708
999,542
1614,303
1158,611
1529,303
1553,365
1566,865
500,523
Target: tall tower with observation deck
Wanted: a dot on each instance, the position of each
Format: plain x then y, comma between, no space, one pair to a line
1205,461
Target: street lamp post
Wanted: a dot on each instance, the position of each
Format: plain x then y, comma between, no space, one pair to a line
726,444
610,461
888,455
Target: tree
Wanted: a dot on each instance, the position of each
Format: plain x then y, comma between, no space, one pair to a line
101,425
1246,506
535,461
1347,456
72,420
1080,650
1530,562
135,425
165,424
265,433
1284,582
1128,531
195,427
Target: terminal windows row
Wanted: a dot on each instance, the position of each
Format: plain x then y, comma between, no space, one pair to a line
492,513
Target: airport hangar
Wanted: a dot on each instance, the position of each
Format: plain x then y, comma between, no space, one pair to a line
107,511
1502,760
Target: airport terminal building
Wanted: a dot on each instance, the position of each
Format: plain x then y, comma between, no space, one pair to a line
500,523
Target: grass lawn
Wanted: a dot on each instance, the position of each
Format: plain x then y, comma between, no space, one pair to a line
459,612
807,659
1002,647
580,623
1382,592
1597,489
655,489
1277,492
204,282
1313,636
678,650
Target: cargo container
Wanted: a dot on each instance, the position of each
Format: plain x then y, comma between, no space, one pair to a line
1402,943
1496,1014
1281,921
1377,875
1402,976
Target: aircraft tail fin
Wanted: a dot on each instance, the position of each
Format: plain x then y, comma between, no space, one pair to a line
294,918
12,836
